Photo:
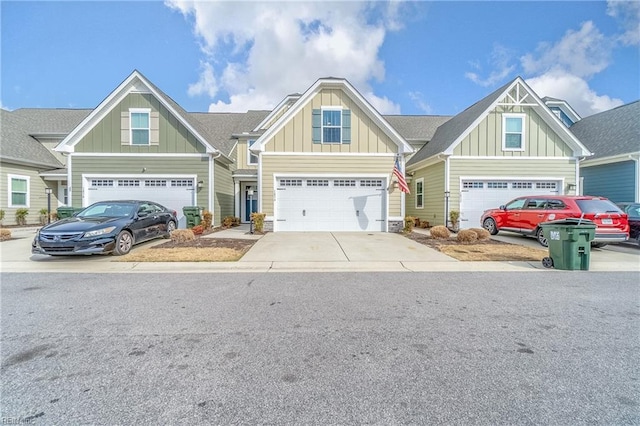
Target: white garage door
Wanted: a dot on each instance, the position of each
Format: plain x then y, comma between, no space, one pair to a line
479,195
173,193
330,204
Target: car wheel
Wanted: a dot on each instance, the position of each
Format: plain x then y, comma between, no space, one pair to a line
490,225
124,242
541,238
171,226
598,245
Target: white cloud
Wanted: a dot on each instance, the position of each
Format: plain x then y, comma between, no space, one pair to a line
419,102
501,60
258,52
628,12
575,90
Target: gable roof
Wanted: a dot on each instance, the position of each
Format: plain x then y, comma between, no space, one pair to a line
135,83
352,93
451,133
612,132
17,127
417,127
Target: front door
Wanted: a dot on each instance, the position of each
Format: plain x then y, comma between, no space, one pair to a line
250,200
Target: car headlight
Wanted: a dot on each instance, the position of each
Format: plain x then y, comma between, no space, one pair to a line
99,232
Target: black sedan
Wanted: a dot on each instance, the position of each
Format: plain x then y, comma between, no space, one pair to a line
633,212
106,227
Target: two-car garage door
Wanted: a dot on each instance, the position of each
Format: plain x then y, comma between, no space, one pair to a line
173,193
478,195
330,204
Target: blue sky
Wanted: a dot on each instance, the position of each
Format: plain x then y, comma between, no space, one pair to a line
405,57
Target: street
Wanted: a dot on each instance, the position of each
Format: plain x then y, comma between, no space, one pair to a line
321,348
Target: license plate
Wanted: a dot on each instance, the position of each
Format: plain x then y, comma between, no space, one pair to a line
607,221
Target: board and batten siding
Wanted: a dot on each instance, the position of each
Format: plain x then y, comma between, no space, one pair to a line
223,195
296,135
433,191
37,198
156,166
242,154
486,138
526,168
106,135
310,165
615,181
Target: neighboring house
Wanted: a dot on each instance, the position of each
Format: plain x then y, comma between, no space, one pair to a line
614,137
506,145
562,110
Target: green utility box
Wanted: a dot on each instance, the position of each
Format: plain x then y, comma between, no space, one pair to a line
569,243
65,212
193,215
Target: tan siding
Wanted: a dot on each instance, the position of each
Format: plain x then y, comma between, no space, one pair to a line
108,134
37,197
296,135
433,210
335,165
486,138
223,201
242,155
198,166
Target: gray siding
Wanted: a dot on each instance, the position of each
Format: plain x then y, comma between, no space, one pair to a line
433,210
615,181
37,198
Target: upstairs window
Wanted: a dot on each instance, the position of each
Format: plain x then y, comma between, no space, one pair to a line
140,128
513,132
251,157
331,125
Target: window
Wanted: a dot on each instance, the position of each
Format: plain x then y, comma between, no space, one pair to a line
140,129
18,191
101,182
155,182
420,193
513,132
317,182
516,204
290,182
182,183
521,185
251,157
545,185
375,183
536,203
472,185
331,126
344,182
128,182
497,185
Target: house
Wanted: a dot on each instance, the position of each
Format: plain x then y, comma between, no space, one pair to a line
614,137
508,144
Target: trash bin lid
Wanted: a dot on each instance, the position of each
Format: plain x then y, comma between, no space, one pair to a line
571,221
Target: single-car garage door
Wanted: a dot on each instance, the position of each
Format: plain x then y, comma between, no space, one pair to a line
330,204
173,193
478,195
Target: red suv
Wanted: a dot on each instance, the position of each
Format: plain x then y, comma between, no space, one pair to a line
524,215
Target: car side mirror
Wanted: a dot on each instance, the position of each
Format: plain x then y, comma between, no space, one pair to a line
143,214
503,207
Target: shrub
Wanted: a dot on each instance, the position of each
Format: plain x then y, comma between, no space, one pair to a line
207,219
43,216
258,221
197,230
236,221
21,216
424,224
467,236
454,215
409,223
482,234
227,222
1,215
182,235
5,234
440,232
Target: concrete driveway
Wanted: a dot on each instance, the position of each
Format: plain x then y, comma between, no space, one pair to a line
340,247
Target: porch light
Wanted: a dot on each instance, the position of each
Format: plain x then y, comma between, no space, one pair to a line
200,183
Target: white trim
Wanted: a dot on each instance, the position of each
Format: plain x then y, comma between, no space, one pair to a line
506,157
61,189
276,110
334,175
415,187
447,188
352,93
249,153
578,180
532,178
140,111
236,198
612,159
126,154
322,110
259,178
212,181
330,154
523,132
434,159
69,181
10,204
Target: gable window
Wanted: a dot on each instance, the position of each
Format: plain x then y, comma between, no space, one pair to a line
251,157
18,191
420,193
513,132
331,125
140,126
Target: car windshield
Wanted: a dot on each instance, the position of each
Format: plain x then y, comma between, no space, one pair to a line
597,206
108,210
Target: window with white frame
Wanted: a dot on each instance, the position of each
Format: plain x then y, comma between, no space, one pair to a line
513,132
332,125
18,191
419,193
251,157
140,126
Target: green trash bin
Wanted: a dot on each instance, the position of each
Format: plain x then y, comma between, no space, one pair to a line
569,242
65,211
193,215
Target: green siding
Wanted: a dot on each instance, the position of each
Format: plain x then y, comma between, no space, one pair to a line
159,166
433,210
223,204
37,198
106,135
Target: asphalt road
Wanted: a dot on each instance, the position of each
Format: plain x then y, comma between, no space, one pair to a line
335,348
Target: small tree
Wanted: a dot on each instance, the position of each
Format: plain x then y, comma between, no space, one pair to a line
43,216
258,221
1,216
409,223
21,216
454,216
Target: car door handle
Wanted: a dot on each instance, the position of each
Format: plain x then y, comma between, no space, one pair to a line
304,212
358,213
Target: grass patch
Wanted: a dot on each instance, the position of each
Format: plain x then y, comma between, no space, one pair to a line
184,254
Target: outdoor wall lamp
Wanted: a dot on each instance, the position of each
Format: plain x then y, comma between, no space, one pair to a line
200,184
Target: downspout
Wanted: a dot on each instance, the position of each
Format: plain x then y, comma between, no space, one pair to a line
212,159
447,187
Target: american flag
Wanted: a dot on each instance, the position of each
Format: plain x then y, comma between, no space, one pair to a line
402,183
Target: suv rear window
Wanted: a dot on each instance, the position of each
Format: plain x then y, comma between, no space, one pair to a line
597,206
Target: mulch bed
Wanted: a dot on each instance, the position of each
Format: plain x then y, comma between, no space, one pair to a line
435,243
231,243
